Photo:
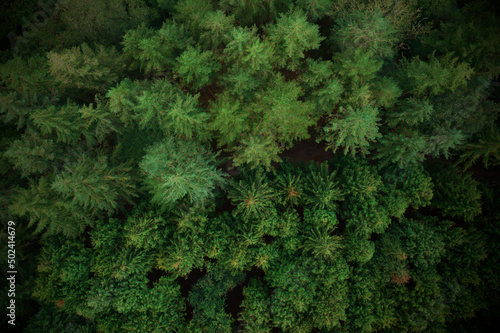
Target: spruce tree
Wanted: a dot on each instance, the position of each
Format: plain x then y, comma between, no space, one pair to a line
94,185
352,130
175,170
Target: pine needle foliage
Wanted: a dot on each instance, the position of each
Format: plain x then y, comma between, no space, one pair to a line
175,170
486,147
49,211
321,190
196,68
94,185
63,121
456,193
82,67
435,76
322,245
352,130
253,195
293,35
32,153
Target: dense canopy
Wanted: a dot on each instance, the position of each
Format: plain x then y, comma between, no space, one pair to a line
251,166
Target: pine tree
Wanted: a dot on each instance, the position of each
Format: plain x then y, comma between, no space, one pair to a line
402,149
368,31
252,196
50,212
92,22
435,76
322,245
283,113
386,92
290,187
63,121
358,67
353,130
257,151
196,68
320,188
94,185
316,9
293,35
175,170
145,230
175,113
229,119
32,153
123,99
249,52
256,307
99,122
156,51
456,193
84,68
216,27
411,112
250,12
486,147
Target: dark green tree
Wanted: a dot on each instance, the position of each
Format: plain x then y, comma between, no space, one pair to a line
174,170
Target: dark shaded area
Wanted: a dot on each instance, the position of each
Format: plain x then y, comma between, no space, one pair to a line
154,276
234,297
306,151
187,284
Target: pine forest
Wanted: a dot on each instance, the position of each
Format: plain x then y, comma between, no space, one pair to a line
253,166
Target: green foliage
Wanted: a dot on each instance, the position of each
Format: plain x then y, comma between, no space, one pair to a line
196,68
352,129
98,21
156,50
63,273
52,320
99,96
145,231
290,187
90,183
472,36
249,12
414,185
252,196
456,192
248,51
293,35
411,112
256,303
51,213
358,67
487,147
182,256
174,170
320,188
257,151
61,121
284,114
401,149
207,299
175,113
228,118
322,245
316,9
216,27
369,31
83,67
32,153
386,92
435,76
